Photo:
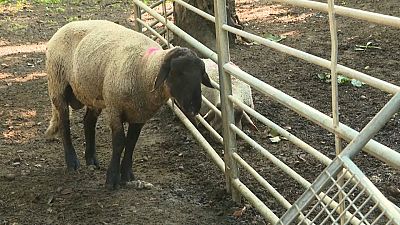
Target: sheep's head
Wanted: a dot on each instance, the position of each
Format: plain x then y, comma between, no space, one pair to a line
182,72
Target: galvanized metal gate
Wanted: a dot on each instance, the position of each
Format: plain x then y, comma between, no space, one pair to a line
342,194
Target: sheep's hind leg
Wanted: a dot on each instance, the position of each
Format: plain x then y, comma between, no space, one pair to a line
70,155
126,164
89,122
118,144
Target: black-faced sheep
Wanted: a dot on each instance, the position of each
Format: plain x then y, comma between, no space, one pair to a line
240,90
102,65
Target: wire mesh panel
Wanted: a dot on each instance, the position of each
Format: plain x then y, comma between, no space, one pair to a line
362,204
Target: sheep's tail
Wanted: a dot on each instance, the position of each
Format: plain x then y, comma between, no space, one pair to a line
52,131
56,87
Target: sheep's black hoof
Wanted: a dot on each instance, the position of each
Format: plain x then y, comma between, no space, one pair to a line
127,176
72,162
112,180
92,161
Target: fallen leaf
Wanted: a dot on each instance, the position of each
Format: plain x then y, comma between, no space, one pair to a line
66,191
240,212
275,139
50,200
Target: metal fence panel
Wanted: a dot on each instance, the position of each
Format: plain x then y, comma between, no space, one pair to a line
341,194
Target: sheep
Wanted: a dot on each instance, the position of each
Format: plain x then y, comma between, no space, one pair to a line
240,90
103,65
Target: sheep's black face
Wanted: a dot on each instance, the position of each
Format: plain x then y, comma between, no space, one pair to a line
184,83
183,73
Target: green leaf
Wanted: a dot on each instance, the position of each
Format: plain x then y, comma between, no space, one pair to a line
274,37
273,133
369,45
342,79
322,76
357,83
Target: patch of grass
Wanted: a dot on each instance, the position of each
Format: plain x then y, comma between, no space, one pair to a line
57,9
326,77
48,1
51,22
17,4
13,6
72,18
16,27
60,10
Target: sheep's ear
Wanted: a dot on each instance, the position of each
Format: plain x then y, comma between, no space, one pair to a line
206,80
162,74
166,65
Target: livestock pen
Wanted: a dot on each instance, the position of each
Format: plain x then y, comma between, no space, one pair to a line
342,193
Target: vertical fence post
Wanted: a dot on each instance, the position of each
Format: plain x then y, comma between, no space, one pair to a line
166,35
335,96
138,14
222,43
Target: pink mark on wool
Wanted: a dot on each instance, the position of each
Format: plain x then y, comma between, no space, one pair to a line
151,51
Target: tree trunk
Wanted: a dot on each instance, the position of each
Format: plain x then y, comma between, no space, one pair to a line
198,27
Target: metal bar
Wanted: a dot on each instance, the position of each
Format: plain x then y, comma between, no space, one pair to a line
379,120
335,91
210,128
358,211
156,22
255,202
365,216
284,167
208,53
222,43
138,15
340,10
384,203
337,207
164,7
378,218
200,139
155,4
340,176
351,204
389,222
262,181
373,148
354,147
267,186
161,33
209,104
196,10
153,31
306,198
290,137
349,12
372,81
346,196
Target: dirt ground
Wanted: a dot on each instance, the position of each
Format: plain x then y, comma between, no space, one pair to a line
188,188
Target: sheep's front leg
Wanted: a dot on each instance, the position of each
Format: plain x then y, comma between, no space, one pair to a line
69,151
126,164
89,122
118,144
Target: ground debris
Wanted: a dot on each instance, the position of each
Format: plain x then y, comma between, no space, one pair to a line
139,184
